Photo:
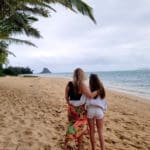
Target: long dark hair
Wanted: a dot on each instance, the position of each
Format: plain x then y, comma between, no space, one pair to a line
97,85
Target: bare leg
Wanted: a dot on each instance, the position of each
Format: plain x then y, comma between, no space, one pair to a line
92,131
79,142
65,145
99,124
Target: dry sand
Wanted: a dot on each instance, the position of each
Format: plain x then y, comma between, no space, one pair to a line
33,117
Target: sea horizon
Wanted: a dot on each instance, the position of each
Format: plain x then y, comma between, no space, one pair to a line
135,82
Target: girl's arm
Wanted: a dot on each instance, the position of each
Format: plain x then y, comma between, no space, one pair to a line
87,92
66,94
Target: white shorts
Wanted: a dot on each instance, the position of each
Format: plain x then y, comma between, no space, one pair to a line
94,112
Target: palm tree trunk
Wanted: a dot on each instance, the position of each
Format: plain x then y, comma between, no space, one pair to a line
1,69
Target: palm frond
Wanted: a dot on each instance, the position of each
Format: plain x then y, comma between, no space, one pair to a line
43,4
36,11
18,41
76,5
17,16
10,53
81,7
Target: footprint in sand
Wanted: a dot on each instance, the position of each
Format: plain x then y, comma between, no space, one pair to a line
54,138
122,136
59,127
21,121
108,129
61,143
47,147
28,132
40,134
110,141
117,120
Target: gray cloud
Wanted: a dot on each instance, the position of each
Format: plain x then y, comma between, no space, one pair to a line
120,40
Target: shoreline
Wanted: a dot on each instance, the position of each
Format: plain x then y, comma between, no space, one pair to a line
33,115
111,89
108,87
133,94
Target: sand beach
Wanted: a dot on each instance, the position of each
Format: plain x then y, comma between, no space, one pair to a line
33,116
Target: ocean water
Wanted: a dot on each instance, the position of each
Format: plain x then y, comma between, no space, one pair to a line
133,82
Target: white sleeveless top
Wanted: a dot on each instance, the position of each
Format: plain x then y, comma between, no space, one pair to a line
102,103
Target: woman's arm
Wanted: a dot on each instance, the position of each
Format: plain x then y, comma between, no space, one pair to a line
66,94
87,92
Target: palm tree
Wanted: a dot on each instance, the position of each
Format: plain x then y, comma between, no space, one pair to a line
17,17
3,55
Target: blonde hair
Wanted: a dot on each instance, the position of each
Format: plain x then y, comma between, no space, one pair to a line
78,78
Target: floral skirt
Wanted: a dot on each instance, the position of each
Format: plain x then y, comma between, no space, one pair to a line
77,125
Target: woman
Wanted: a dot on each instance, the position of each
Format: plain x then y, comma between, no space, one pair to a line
75,94
96,109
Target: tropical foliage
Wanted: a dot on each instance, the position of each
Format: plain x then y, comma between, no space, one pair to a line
17,70
18,16
3,52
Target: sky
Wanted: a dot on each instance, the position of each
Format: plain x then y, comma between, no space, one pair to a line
119,41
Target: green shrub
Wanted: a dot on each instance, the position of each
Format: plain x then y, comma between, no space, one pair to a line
14,71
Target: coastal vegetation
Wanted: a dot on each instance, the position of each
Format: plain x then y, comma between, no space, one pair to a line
14,71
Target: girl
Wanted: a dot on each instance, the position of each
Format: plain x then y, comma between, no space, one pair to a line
74,94
95,110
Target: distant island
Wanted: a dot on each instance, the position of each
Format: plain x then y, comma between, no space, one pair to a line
45,70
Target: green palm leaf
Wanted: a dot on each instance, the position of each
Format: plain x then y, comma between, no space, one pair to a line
18,41
17,17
